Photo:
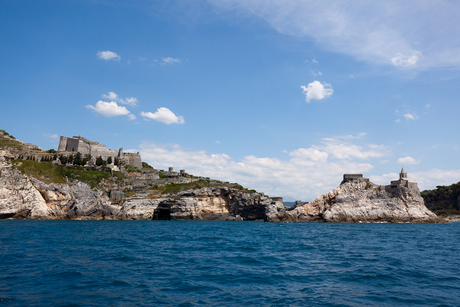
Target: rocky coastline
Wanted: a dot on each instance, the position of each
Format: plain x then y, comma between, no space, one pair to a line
26,196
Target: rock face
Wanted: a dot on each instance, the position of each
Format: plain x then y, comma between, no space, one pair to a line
359,201
18,196
24,197
353,201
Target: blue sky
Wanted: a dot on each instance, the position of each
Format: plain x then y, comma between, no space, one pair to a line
280,96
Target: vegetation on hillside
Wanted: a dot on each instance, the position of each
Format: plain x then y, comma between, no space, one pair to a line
173,188
8,141
146,165
443,200
74,167
50,173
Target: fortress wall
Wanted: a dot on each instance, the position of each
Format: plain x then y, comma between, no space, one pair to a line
83,147
72,144
62,143
352,176
101,150
133,159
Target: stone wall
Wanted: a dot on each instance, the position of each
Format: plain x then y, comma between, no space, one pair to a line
133,159
85,146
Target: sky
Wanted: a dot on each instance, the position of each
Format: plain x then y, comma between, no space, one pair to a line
281,96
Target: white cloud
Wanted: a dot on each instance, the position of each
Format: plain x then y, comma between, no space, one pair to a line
406,60
108,109
390,32
110,95
427,106
217,142
306,154
131,101
317,90
410,116
51,136
318,73
169,60
398,120
351,76
165,116
408,160
108,55
346,150
132,116
306,173
314,61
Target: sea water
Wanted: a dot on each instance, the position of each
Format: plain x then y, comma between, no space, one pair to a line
191,263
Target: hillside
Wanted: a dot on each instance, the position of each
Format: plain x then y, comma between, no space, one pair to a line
444,200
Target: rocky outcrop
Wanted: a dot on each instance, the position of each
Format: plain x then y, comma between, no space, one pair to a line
27,197
18,196
360,201
217,203
354,201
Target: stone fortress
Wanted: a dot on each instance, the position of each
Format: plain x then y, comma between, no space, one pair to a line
402,182
86,147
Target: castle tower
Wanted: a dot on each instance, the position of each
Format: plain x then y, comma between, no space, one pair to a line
62,143
403,174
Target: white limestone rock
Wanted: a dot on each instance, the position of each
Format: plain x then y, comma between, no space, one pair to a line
18,196
362,201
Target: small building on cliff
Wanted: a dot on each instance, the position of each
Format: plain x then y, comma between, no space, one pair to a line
87,147
403,181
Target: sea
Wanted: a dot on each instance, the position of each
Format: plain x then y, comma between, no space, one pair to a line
198,263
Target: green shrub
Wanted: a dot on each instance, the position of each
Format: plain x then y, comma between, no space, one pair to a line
50,173
45,171
146,165
130,168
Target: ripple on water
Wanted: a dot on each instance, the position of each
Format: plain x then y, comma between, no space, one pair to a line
149,263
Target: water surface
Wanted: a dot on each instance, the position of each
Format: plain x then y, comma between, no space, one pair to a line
190,263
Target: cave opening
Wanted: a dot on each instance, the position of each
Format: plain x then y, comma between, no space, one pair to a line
162,214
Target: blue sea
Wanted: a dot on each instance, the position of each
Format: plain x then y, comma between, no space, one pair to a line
191,263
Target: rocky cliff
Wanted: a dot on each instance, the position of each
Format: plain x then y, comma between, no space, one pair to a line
359,201
53,190
27,197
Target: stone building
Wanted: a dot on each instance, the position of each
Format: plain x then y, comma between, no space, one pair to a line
403,181
86,147
350,177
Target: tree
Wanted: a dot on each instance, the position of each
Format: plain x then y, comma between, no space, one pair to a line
63,159
78,160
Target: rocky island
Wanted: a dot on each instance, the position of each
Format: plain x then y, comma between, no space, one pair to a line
85,180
